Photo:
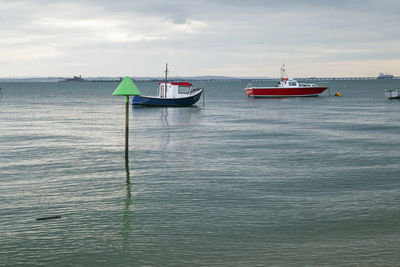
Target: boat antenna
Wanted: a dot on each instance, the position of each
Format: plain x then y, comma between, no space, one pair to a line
283,72
166,73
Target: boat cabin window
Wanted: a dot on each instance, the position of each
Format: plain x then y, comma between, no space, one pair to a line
184,89
292,83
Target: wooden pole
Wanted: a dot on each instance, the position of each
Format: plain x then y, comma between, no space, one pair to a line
127,139
127,88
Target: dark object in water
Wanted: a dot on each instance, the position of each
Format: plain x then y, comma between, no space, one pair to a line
48,218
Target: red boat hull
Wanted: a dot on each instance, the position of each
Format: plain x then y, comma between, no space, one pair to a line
284,92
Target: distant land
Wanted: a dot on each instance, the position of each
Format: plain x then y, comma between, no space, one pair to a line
177,78
117,79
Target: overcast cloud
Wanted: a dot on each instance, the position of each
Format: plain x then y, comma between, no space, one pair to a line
204,37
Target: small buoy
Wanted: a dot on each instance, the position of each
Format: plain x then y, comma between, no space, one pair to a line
48,218
338,94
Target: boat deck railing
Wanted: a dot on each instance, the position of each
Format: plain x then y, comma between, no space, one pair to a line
195,90
249,85
308,84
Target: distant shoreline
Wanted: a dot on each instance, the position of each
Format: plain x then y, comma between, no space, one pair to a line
190,79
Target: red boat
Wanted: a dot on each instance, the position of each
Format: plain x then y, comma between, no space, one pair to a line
287,87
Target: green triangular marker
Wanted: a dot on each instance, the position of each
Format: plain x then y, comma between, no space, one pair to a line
127,88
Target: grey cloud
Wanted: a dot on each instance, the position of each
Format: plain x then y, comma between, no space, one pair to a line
234,32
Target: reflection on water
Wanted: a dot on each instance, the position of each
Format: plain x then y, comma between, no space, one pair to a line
178,116
168,123
126,224
164,122
168,115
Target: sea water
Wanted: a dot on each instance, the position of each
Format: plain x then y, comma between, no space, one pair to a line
232,181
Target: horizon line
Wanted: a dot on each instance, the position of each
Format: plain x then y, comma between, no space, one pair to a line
208,77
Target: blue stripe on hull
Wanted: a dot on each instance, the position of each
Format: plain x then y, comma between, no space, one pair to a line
166,102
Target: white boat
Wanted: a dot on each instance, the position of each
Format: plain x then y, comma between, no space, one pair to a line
392,93
171,94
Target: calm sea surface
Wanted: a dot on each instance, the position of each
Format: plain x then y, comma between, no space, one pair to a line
238,182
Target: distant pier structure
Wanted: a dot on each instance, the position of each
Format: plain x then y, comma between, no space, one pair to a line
264,79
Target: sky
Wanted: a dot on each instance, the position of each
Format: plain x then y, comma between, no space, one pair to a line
240,38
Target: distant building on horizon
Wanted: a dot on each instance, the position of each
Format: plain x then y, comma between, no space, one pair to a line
385,76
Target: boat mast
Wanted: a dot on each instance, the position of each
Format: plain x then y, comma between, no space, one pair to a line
166,73
162,91
283,72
